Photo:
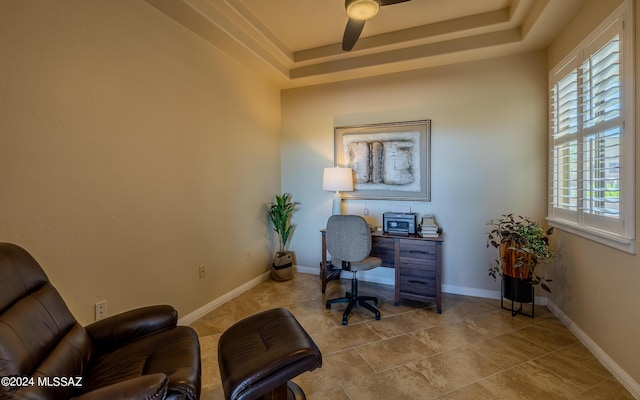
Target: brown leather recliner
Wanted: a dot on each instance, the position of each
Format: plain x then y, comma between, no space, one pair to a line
46,354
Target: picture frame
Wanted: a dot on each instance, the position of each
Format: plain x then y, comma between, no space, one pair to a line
390,161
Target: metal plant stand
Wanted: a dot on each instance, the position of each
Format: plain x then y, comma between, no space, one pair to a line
517,291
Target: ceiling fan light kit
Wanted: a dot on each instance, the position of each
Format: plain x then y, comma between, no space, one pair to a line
362,9
359,11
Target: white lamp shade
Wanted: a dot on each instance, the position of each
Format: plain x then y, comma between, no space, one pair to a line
337,179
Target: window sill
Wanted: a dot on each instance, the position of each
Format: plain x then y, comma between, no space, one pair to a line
617,242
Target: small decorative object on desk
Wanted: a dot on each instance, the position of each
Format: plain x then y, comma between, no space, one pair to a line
428,227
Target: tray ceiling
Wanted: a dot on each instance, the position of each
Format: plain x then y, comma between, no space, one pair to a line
298,42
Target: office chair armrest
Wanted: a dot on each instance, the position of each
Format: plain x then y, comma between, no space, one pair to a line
112,332
152,386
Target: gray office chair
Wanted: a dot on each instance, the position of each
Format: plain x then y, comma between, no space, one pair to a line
349,243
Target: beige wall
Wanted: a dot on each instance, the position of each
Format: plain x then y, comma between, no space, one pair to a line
595,286
131,152
488,153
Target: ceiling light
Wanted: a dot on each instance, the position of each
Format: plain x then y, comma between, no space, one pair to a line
363,9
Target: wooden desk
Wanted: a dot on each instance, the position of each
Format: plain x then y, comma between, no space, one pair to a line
417,262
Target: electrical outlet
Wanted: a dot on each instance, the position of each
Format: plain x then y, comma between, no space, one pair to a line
100,309
202,271
248,255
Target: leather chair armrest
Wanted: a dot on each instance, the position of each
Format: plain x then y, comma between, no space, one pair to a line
152,386
112,332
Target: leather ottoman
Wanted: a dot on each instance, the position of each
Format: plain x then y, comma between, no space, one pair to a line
260,354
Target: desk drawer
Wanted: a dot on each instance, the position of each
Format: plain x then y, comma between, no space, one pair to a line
425,265
417,282
411,249
386,243
384,248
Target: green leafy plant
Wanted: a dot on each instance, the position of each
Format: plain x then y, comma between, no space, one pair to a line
280,214
521,244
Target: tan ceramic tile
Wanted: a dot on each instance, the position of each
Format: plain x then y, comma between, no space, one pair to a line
212,394
343,337
549,334
331,393
389,353
539,312
209,355
610,389
314,317
228,314
454,369
337,368
401,383
471,392
465,307
407,322
448,337
388,308
575,364
282,294
508,350
357,315
496,323
214,323
529,381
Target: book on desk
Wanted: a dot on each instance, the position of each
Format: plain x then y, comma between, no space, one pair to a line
429,228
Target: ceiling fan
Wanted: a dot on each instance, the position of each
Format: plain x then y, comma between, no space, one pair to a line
359,11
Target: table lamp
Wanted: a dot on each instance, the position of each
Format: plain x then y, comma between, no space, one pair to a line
337,179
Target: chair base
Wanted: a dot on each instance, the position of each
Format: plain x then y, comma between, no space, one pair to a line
288,391
353,300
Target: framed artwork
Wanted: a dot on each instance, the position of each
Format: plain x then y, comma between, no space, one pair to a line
389,161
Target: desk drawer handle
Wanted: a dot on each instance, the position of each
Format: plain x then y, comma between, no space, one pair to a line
419,252
418,282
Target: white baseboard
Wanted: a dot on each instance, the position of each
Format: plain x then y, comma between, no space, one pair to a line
465,291
487,294
308,270
207,308
627,381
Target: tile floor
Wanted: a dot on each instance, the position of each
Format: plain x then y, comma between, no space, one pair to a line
473,350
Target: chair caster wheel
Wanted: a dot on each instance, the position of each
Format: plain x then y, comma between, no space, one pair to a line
344,321
378,317
328,306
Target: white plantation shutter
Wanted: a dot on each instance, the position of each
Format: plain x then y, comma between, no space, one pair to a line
591,144
601,120
564,128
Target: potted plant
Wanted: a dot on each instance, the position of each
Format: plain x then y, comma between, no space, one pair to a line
280,214
522,244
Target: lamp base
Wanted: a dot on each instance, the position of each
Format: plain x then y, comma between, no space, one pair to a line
337,204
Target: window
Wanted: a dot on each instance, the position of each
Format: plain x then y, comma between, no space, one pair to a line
592,129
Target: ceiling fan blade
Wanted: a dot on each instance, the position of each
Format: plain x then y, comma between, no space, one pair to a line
352,33
391,2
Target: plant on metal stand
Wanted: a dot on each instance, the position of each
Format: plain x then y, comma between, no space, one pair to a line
522,244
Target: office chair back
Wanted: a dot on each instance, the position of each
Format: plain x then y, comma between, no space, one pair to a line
348,237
